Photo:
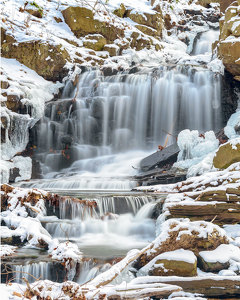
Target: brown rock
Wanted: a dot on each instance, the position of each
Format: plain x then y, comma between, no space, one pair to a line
95,42
46,59
81,21
111,49
154,21
226,155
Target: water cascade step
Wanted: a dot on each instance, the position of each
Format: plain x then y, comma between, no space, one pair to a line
95,137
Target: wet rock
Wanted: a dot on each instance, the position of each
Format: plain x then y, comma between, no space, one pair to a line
66,140
226,155
160,158
14,173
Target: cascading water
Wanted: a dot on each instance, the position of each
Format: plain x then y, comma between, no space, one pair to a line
117,225
204,43
95,138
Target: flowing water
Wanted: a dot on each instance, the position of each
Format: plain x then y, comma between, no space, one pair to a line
90,142
95,138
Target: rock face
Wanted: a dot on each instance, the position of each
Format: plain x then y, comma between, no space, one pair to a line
226,155
81,21
46,59
229,44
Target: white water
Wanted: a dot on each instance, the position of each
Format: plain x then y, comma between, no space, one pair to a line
204,42
32,271
117,120
109,232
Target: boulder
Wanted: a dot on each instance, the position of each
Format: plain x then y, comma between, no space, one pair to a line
182,234
121,11
148,30
174,263
154,21
95,42
218,259
229,45
206,3
81,21
226,155
112,49
46,59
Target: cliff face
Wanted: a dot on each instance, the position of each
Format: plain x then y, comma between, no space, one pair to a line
229,43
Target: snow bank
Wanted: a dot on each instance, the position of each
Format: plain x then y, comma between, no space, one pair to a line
234,121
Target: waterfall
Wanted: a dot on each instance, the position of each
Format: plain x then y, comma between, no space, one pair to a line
97,140
32,271
204,43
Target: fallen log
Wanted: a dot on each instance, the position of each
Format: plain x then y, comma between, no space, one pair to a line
209,286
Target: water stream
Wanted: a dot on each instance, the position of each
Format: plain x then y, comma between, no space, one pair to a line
90,142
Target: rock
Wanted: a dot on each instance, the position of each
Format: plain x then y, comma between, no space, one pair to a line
66,140
226,155
108,71
154,21
14,173
95,42
14,104
121,11
183,234
148,30
229,44
226,25
224,4
229,52
35,12
4,84
160,158
216,287
140,42
218,259
174,263
206,3
81,21
34,9
58,20
46,59
112,49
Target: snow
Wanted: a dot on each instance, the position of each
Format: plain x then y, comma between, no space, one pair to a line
196,151
232,122
6,250
221,254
